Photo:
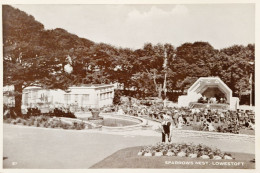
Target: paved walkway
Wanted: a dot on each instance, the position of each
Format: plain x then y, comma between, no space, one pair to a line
32,147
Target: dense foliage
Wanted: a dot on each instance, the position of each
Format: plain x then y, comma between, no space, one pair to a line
35,56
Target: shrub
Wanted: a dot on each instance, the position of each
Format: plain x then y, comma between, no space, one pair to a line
57,125
228,154
219,129
33,112
78,128
40,120
31,123
5,117
49,125
165,152
82,125
44,118
18,120
75,124
44,121
45,125
61,113
8,120
31,120
65,126
117,96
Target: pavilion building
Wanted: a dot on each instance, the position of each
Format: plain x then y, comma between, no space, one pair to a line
84,96
209,87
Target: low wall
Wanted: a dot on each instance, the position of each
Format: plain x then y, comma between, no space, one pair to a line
124,128
176,132
214,135
124,117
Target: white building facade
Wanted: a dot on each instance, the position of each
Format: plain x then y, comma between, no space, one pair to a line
83,97
8,96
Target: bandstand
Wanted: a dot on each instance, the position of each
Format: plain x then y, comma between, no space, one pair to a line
209,87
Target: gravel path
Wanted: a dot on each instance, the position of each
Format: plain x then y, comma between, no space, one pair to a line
31,147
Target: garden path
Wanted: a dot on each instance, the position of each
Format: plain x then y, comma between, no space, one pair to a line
32,147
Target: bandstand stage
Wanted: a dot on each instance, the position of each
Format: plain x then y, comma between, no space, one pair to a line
209,87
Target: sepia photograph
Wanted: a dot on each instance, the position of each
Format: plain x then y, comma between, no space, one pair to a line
128,86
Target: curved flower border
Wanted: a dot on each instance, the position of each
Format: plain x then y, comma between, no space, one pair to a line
184,150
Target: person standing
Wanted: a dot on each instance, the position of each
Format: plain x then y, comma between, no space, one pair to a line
210,126
166,127
180,121
175,117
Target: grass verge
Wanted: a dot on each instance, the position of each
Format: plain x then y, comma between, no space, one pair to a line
128,158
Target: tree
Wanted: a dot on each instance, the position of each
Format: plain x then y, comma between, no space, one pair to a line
32,55
35,56
23,55
186,83
122,67
69,49
237,66
193,60
153,62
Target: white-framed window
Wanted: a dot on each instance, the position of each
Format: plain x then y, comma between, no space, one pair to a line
26,97
76,98
67,98
34,96
84,99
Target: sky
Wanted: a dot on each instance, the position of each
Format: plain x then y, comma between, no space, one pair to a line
131,26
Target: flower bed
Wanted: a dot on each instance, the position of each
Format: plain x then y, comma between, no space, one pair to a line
184,150
47,122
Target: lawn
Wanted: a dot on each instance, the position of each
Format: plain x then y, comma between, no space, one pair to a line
128,158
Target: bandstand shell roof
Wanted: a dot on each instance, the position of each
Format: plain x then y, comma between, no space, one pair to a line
206,82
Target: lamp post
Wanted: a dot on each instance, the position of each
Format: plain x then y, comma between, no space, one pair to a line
251,89
251,86
165,78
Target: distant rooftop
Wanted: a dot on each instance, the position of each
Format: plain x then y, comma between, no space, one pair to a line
74,86
93,85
